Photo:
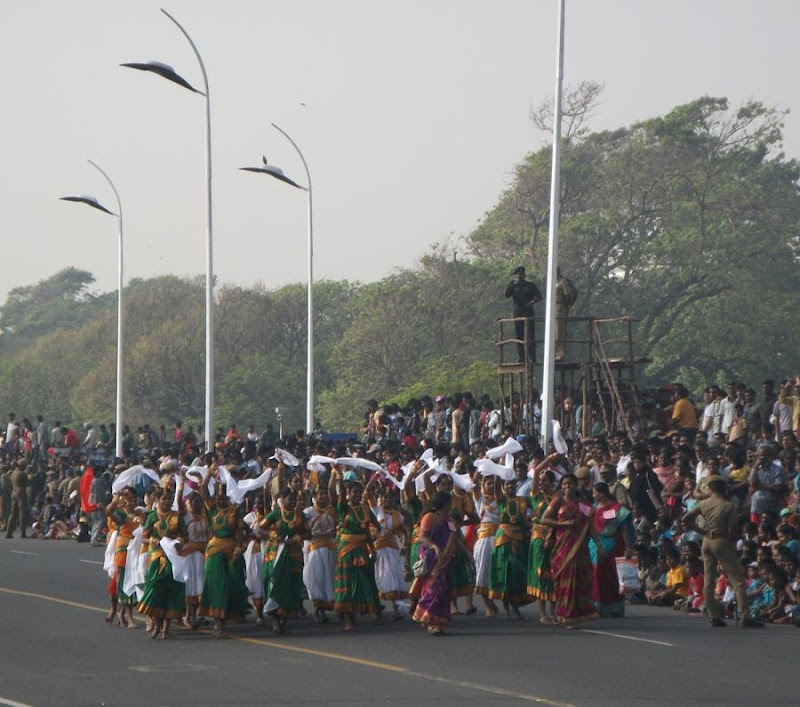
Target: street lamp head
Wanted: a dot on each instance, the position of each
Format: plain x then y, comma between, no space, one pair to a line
273,171
89,201
165,70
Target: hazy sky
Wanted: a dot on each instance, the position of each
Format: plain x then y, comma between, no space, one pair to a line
415,114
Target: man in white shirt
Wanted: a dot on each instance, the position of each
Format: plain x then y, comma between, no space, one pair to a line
712,417
91,438
494,423
702,453
12,432
727,405
782,414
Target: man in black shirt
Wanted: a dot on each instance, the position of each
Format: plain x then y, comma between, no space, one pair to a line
524,295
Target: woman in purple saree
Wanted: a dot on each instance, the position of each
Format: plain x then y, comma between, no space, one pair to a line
570,561
438,539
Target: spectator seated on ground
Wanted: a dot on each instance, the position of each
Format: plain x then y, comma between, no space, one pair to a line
677,585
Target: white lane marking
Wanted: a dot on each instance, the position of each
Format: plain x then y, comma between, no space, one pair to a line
628,638
92,562
22,552
12,703
489,689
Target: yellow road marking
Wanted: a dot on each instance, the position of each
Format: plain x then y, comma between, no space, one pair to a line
322,654
335,656
12,703
46,597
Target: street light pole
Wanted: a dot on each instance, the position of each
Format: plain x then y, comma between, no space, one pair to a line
548,375
170,74
120,322
310,356
277,173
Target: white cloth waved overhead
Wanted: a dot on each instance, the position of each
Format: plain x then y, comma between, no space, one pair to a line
131,477
359,463
558,438
510,446
236,490
286,457
461,480
320,459
489,468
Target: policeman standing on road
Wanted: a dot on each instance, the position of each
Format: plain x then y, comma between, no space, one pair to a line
19,500
718,547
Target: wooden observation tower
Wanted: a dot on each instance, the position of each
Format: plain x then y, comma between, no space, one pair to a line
597,374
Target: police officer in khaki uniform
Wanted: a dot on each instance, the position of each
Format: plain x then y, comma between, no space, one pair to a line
720,515
19,500
5,496
566,295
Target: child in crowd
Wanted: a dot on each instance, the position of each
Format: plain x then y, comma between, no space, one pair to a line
648,565
655,582
777,581
689,500
748,552
677,586
724,594
766,533
792,605
749,535
759,593
696,601
689,535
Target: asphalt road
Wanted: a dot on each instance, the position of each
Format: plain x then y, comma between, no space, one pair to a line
56,650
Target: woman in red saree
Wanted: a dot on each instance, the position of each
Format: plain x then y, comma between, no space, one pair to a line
570,563
613,525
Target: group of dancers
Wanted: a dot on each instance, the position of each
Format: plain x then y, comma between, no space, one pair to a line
345,534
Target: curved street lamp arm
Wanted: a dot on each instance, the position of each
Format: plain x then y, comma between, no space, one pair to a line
194,49
110,183
299,152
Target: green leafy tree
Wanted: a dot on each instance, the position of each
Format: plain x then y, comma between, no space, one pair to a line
60,301
446,309
672,221
251,390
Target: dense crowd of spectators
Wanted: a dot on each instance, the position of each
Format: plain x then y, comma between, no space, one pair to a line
657,468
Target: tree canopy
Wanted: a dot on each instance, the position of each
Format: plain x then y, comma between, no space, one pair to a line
687,222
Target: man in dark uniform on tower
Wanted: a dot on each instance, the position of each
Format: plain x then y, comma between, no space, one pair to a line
524,295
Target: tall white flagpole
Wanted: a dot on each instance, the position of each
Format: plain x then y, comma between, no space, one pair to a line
548,374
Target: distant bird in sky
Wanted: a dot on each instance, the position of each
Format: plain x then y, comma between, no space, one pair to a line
264,158
303,104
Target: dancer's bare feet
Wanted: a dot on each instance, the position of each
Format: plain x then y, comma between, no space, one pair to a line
127,620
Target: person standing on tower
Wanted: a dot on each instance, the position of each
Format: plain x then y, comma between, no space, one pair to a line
566,295
524,295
